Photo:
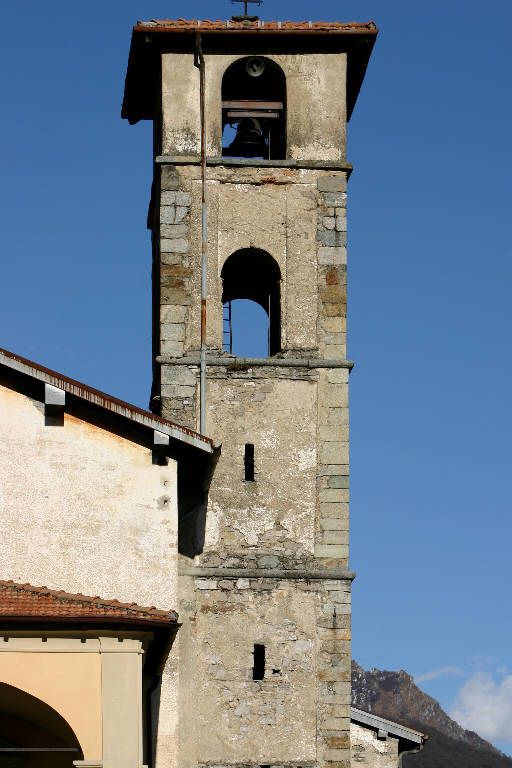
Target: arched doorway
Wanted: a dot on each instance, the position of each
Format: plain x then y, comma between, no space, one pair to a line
33,734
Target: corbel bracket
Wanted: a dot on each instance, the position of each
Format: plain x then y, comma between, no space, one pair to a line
54,404
160,448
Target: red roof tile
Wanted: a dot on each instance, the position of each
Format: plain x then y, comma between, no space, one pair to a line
183,25
23,601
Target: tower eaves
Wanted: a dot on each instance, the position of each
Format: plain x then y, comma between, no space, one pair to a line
156,36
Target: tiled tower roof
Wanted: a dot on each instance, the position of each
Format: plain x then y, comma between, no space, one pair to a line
207,25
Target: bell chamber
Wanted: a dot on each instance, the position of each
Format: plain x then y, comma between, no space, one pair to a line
253,104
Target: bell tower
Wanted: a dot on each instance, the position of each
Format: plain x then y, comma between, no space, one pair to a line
249,202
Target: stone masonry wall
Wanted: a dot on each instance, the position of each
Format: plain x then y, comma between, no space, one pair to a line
171,248
295,715
250,584
331,535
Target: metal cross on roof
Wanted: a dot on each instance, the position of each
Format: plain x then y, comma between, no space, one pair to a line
245,2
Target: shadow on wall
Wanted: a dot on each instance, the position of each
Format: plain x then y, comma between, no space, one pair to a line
193,502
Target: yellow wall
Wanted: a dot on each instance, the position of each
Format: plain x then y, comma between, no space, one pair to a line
68,682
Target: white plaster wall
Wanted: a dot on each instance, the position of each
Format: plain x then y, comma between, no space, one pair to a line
84,510
181,129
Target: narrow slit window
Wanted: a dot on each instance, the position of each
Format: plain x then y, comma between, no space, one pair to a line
249,463
258,670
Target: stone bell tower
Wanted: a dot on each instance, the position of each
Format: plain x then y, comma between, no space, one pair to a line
262,672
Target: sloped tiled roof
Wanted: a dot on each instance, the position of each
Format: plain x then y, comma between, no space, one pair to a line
107,402
206,25
23,601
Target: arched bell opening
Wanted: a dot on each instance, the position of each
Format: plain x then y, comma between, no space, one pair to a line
254,275
254,109
33,734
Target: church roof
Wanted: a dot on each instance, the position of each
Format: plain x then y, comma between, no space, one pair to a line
20,602
107,403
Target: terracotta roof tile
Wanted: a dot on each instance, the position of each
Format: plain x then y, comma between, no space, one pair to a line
23,601
283,26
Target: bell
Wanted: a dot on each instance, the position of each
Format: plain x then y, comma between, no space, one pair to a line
249,140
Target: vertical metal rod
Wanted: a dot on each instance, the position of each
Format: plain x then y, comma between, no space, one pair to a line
199,62
269,323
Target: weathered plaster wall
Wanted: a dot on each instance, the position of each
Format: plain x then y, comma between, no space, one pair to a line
83,509
367,751
181,129
294,516
316,104
276,512
255,714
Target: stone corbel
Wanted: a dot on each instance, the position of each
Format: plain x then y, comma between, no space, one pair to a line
160,447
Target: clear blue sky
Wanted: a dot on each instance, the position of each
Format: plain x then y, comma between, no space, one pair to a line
429,307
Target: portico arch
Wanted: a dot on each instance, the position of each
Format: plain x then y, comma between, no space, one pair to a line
67,683
28,723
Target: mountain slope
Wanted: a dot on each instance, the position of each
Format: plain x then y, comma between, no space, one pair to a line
395,696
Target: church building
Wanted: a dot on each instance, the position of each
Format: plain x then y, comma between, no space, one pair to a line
226,505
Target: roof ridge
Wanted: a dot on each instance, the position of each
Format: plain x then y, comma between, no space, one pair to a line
245,24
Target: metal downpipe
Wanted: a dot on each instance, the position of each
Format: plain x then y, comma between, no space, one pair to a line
199,62
407,752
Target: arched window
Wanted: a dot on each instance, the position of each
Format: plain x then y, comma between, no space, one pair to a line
252,274
254,109
33,734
